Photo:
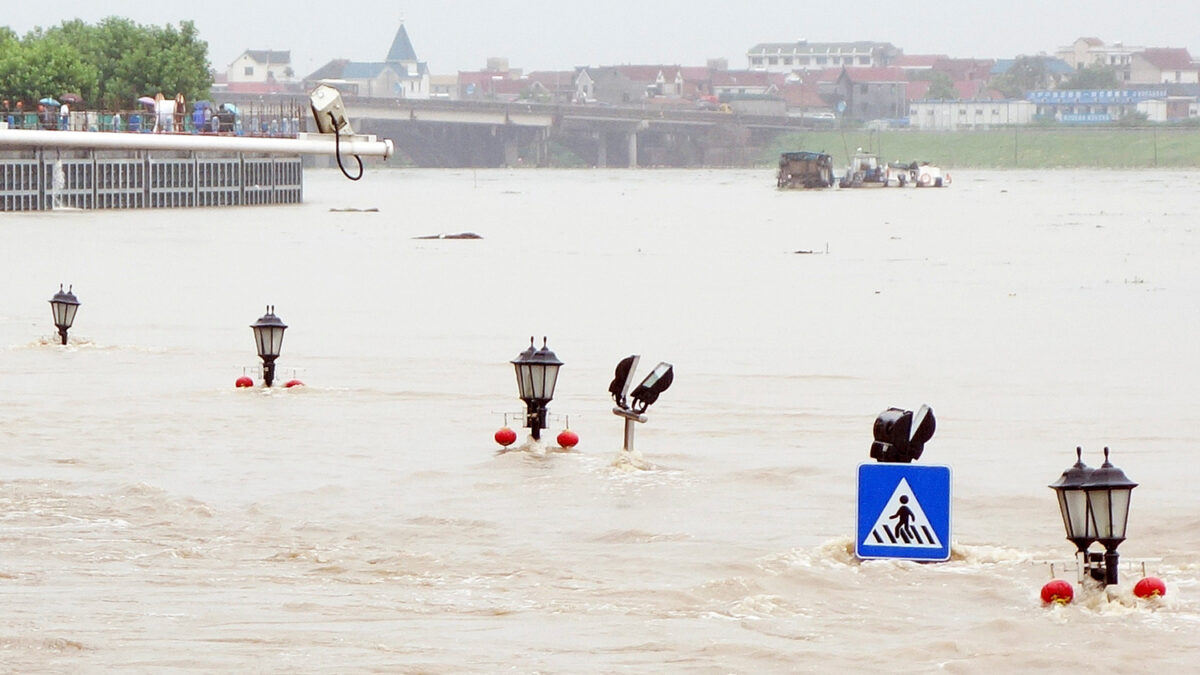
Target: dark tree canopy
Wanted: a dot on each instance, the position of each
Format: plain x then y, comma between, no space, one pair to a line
1026,74
1092,77
109,64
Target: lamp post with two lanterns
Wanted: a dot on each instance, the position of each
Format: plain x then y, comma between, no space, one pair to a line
1095,508
537,375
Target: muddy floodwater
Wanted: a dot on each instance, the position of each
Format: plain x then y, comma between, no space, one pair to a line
154,518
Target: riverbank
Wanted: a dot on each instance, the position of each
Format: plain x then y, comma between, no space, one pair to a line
1013,148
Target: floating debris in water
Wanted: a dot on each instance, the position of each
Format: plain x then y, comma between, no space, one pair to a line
460,235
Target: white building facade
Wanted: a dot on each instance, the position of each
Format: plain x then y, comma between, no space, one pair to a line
805,56
981,114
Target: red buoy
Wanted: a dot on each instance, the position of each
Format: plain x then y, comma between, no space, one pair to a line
505,436
1058,592
568,438
244,381
1150,587
293,383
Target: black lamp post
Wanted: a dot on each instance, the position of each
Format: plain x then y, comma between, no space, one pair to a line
64,304
1095,508
1108,491
268,338
1072,502
537,374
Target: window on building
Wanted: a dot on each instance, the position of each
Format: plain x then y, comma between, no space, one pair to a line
962,112
787,60
802,60
249,70
756,60
773,61
821,60
864,60
979,111
862,88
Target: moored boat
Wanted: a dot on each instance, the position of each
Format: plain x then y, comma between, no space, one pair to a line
804,169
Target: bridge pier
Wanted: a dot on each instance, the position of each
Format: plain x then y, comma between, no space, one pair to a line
601,150
512,150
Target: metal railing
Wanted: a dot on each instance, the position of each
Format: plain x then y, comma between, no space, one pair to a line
274,120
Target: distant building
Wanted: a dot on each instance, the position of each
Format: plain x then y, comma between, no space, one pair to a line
1090,51
399,75
1103,106
804,56
259,71
499,82
730,84
871,93
969,114
1134,65
1164,66
624,85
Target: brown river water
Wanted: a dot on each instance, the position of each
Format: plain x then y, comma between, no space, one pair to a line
153,518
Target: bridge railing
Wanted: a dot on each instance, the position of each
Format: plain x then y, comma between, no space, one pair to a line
278,119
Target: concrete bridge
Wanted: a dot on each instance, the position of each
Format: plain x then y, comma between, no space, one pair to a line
439,133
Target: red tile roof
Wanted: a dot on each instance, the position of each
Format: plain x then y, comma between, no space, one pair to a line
875,74
917,60
1169,58
648,73
918,90
799,95
747,78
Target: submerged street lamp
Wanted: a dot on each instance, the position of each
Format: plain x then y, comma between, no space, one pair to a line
1095,508
268,338
901,435
64,304
643,395
1072,502
537,374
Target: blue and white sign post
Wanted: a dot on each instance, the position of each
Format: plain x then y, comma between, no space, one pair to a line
903,512
903,509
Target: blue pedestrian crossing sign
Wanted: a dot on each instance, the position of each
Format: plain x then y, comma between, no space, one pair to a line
903,512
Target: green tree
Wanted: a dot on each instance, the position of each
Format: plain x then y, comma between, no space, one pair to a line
1095,76
942,88
109,64
34,68
1027,73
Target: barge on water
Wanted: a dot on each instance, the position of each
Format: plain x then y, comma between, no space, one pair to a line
804,170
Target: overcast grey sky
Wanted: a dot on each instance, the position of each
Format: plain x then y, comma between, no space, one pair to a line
453,35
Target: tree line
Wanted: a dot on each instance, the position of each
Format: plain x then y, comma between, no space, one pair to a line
109,65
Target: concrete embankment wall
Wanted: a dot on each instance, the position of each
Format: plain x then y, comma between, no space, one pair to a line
34,180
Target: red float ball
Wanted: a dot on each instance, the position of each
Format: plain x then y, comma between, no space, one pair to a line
244,381
1057,591
1150,587
568,438
293,383
505,436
